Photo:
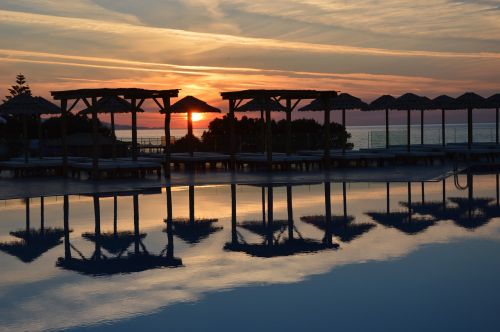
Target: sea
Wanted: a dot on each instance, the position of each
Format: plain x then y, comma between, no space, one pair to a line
365,136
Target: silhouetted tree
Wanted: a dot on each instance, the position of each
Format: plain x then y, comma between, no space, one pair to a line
21,87
75,124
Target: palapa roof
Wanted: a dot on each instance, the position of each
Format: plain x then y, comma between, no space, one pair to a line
261,104
469,100
493,101
111,104
128,93
410,101
381,103
444,102
291,94
192,104
25,104
344,101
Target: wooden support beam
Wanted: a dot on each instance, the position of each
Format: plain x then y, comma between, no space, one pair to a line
421,127
190,135
288,126
166,108
326,132
232,136
343,125
469,128
95,142
387,142
443,127
408,130
269,140
134,129
40,136
64,135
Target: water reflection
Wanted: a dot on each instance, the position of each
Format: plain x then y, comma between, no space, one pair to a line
117,259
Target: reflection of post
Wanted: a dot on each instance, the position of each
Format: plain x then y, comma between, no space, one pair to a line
97,217
344,200
115,215
290,211
409,201
328,215
444,194
263,205
270,215
42,214
470,186
498,189
388,202
234,235
170,234
423,192
67,248
136,223
27,204
191,205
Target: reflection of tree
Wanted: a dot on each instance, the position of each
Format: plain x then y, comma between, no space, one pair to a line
33,243
342,227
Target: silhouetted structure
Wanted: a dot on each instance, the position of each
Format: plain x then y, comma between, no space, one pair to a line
383,103
469,101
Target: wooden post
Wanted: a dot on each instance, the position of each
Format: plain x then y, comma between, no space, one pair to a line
443,127
113,134
263,131
421,127
326,129
40,136
328,215
408,133
269,140
190,135
232,136
496,126
26,139
166,108
97,233
343,125
469,128
134,129
137,236
67,246
95,143
191,205
64,135
387,128
288,126
290,211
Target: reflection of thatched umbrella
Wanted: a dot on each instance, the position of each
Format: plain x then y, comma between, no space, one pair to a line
286,248
341,227
343,102
469,101
188,105
470,213
402,221
443,103
494,102
26,106
114,243
382,103
33,243
194,232
112,105
265,106
409,102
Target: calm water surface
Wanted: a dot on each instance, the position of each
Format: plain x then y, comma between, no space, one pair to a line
376,264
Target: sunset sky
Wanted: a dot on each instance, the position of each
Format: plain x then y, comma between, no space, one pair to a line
203,47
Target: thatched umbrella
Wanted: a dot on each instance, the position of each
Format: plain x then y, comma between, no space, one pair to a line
111,105
264,105
443,103
342,102
383,103
26,106
409,102
494,102
190,105
469,101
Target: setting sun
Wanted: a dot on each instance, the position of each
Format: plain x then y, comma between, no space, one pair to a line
197,116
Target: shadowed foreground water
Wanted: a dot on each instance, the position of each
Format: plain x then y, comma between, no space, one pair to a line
398,256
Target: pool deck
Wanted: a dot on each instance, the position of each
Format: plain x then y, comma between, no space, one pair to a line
13,188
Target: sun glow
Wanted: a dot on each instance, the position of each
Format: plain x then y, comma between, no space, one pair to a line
197,117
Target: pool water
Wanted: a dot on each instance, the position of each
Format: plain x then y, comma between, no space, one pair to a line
392,257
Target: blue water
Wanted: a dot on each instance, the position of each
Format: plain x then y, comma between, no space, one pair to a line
382,272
